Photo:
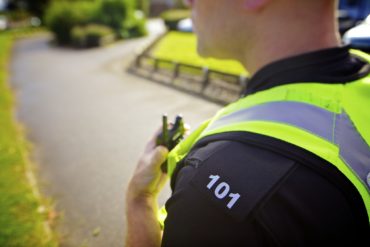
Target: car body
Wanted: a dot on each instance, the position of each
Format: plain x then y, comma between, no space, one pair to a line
185,25
358,37
345,21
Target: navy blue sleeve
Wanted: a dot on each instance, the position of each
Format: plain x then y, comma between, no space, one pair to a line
234,194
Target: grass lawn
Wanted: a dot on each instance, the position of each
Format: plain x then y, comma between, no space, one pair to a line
23,214
181,47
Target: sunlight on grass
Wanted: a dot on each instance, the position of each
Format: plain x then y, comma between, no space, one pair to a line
22,216
181,47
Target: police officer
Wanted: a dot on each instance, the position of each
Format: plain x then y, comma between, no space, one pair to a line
286,165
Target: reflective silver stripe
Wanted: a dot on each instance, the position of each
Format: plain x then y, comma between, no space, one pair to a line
335,128
354,151
305,116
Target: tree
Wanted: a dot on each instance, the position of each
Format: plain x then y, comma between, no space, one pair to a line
35,7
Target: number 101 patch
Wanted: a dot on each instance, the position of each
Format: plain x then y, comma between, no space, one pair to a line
222,189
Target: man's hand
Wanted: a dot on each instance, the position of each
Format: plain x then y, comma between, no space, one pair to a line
148,179
141,198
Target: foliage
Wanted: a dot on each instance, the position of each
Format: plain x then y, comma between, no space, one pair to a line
119,15
92,35
35,7
78,36
113,13
175,14
172,17
22,218
144,6
179,4
17,15
97,35
181,47
135,26
62,16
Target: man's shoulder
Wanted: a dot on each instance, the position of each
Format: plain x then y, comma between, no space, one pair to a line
217,187
254,192
234,176
240,173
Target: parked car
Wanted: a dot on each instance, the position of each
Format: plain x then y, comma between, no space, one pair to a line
359,36
345,21
185,25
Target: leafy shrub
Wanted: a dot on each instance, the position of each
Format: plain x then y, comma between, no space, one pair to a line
135,26
66,19
175,14
113,13
62,16
92,35
17,15
78,36
97,35
172,17
144,6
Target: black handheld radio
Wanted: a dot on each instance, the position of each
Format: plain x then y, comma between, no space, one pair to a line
170,137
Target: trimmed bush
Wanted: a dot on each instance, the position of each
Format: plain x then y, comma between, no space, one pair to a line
62,16
135,26
113,13
172,17
65,19
98,35
92,35
17,15
78,37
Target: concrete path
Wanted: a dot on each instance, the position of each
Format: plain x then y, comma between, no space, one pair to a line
89,121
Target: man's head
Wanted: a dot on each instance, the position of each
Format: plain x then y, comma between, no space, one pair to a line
220,23
230,28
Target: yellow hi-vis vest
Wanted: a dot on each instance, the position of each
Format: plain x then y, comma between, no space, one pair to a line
331,121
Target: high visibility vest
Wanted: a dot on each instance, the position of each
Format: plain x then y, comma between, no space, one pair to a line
331,121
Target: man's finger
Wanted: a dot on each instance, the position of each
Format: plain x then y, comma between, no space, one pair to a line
159,156
153,141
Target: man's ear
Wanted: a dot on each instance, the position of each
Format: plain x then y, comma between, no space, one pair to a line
255,5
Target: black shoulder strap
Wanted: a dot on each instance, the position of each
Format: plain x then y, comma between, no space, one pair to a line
298,154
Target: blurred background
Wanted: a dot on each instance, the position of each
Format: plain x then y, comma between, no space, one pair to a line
83,85
70,20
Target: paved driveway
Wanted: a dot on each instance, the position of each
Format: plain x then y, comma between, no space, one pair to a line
89,120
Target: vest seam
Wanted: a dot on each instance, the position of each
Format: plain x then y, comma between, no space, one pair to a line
261,204
270,122
183,162
290,155
355,174
263,224
334,128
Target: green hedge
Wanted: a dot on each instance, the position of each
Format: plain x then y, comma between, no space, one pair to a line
92,35
119,15
16,15
62,16
113,13
135,26
172,17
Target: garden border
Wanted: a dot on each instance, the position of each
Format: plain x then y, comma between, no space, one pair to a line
219,87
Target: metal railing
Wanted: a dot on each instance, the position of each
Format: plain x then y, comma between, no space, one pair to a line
215,85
